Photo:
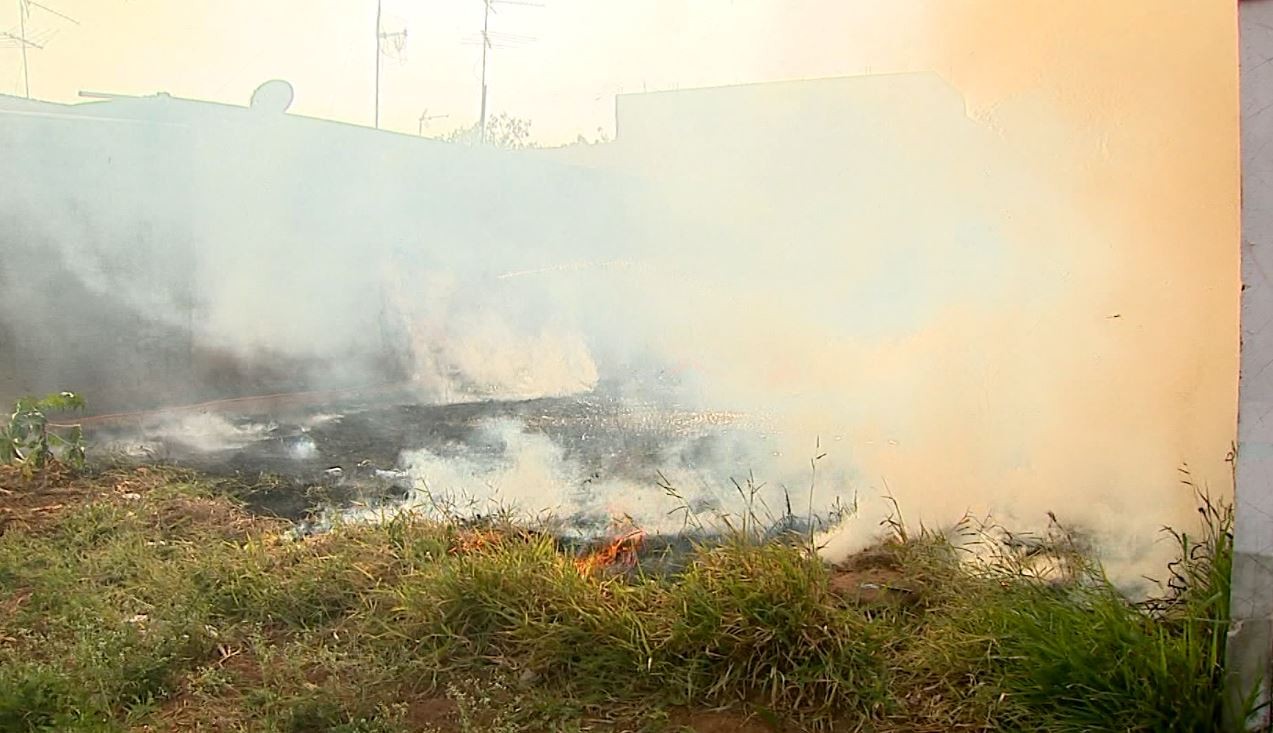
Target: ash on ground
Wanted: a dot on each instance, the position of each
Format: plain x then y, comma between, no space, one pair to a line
346,454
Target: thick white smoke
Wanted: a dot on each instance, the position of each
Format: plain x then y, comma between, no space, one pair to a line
459,351
509,466
854,265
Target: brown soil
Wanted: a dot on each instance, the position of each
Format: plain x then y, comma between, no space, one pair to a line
35,503
871,577
720,721
434,714
213,516
186,711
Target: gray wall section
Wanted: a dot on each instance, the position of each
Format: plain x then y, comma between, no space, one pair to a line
1251,637
158,251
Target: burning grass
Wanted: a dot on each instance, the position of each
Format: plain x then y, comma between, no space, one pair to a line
148,601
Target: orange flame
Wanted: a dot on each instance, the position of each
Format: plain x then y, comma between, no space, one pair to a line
621,551
474,540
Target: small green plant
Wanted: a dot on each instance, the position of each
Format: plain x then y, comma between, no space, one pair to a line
29,441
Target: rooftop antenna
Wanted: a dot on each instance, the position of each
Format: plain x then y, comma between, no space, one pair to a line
37,41
397,40
425,117
500,41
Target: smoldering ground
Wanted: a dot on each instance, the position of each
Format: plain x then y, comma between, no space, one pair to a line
885,282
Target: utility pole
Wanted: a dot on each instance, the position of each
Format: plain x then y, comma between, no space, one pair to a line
22,29
485,47
379,37
397,42
488,7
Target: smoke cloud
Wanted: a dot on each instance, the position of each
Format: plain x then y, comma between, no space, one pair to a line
1003,304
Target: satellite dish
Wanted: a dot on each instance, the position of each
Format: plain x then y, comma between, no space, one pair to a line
273,96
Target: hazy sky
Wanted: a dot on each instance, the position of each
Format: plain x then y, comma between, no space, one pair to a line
566,60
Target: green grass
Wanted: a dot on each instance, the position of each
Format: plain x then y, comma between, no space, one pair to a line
177,610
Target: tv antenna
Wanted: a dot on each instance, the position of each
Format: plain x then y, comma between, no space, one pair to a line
36,39
491,41
425,118
389,43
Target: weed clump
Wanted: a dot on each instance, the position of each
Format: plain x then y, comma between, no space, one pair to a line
999,646
756,623
31,443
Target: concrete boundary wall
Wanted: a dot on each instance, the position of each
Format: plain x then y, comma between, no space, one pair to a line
1251,636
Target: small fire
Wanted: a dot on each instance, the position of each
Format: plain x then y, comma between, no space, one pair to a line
618,552
474,540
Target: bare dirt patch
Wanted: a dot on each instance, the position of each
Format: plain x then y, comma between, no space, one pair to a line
871,577
206,515
440,714
187,710
36,502
720,721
